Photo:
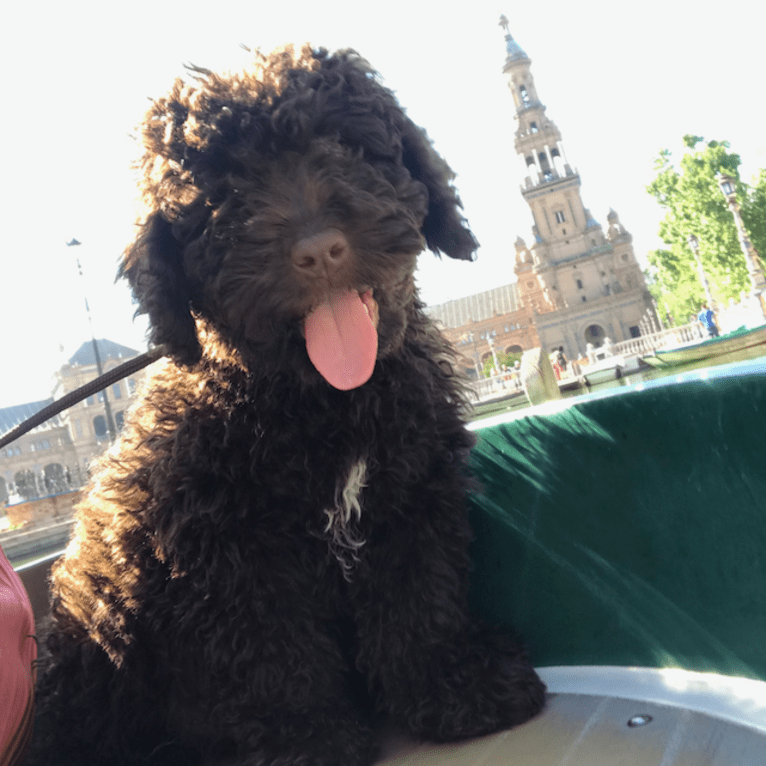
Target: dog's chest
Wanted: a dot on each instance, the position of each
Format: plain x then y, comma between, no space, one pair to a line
343,516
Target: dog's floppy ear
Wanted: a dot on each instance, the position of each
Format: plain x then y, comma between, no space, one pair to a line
154,267
445,229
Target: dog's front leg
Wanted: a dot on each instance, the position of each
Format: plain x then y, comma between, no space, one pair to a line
266,678
431,668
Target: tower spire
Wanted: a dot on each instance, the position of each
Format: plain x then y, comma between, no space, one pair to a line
537,140
582,285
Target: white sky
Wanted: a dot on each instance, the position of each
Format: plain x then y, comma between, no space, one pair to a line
620,80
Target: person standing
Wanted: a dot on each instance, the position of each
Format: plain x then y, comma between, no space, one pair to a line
707,317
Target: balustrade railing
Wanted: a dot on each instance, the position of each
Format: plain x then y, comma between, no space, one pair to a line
510,382
497,385
673,336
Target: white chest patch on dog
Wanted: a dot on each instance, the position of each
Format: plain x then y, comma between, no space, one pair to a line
341,528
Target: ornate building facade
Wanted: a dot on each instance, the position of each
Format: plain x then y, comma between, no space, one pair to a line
575,284
55,456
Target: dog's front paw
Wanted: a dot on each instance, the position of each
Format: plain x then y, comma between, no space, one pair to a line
488,686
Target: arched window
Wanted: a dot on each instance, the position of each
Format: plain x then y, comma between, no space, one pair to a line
524,95
99,426
545,166
533,127
54,478
595,335
26,484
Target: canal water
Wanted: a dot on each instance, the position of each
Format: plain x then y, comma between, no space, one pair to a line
681,372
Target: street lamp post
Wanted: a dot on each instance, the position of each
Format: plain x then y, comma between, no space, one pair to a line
111,430
694,244
472,341
754,269
492,349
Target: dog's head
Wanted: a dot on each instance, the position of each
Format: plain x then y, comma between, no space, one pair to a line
286,208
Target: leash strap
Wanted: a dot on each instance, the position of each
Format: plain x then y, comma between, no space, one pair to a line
89,389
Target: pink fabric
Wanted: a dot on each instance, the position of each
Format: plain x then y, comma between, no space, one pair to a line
18,651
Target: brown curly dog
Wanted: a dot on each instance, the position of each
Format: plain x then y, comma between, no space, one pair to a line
274,555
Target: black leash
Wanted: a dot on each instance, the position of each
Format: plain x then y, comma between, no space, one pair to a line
89,389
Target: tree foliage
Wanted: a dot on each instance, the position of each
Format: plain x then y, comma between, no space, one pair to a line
502,359
754,214
695,205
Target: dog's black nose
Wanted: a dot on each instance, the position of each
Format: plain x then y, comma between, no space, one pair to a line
321,254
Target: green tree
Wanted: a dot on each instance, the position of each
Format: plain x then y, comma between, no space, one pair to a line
502,359
754,214
695,205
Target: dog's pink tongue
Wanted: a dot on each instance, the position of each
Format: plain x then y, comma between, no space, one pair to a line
342,341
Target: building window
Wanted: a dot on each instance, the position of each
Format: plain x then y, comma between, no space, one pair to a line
100,396
533,127
584,299
131,386
78,428
117,391
119,419
560,216
579,284
99,426
91,400
524,95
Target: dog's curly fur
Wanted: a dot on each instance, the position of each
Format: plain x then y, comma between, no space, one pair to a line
264,563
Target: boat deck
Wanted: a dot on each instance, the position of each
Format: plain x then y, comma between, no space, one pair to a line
586,730
628,716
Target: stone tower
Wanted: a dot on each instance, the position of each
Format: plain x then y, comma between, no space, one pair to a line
583,285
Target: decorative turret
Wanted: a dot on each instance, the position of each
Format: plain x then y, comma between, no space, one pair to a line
523,256
538,140
616,230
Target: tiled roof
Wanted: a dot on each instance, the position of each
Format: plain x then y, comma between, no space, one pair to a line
513,50
107,349
10,417
456,313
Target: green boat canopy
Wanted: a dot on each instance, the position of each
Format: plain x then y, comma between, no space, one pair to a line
630,530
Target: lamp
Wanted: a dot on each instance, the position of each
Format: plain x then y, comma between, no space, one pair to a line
727,185
754,269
